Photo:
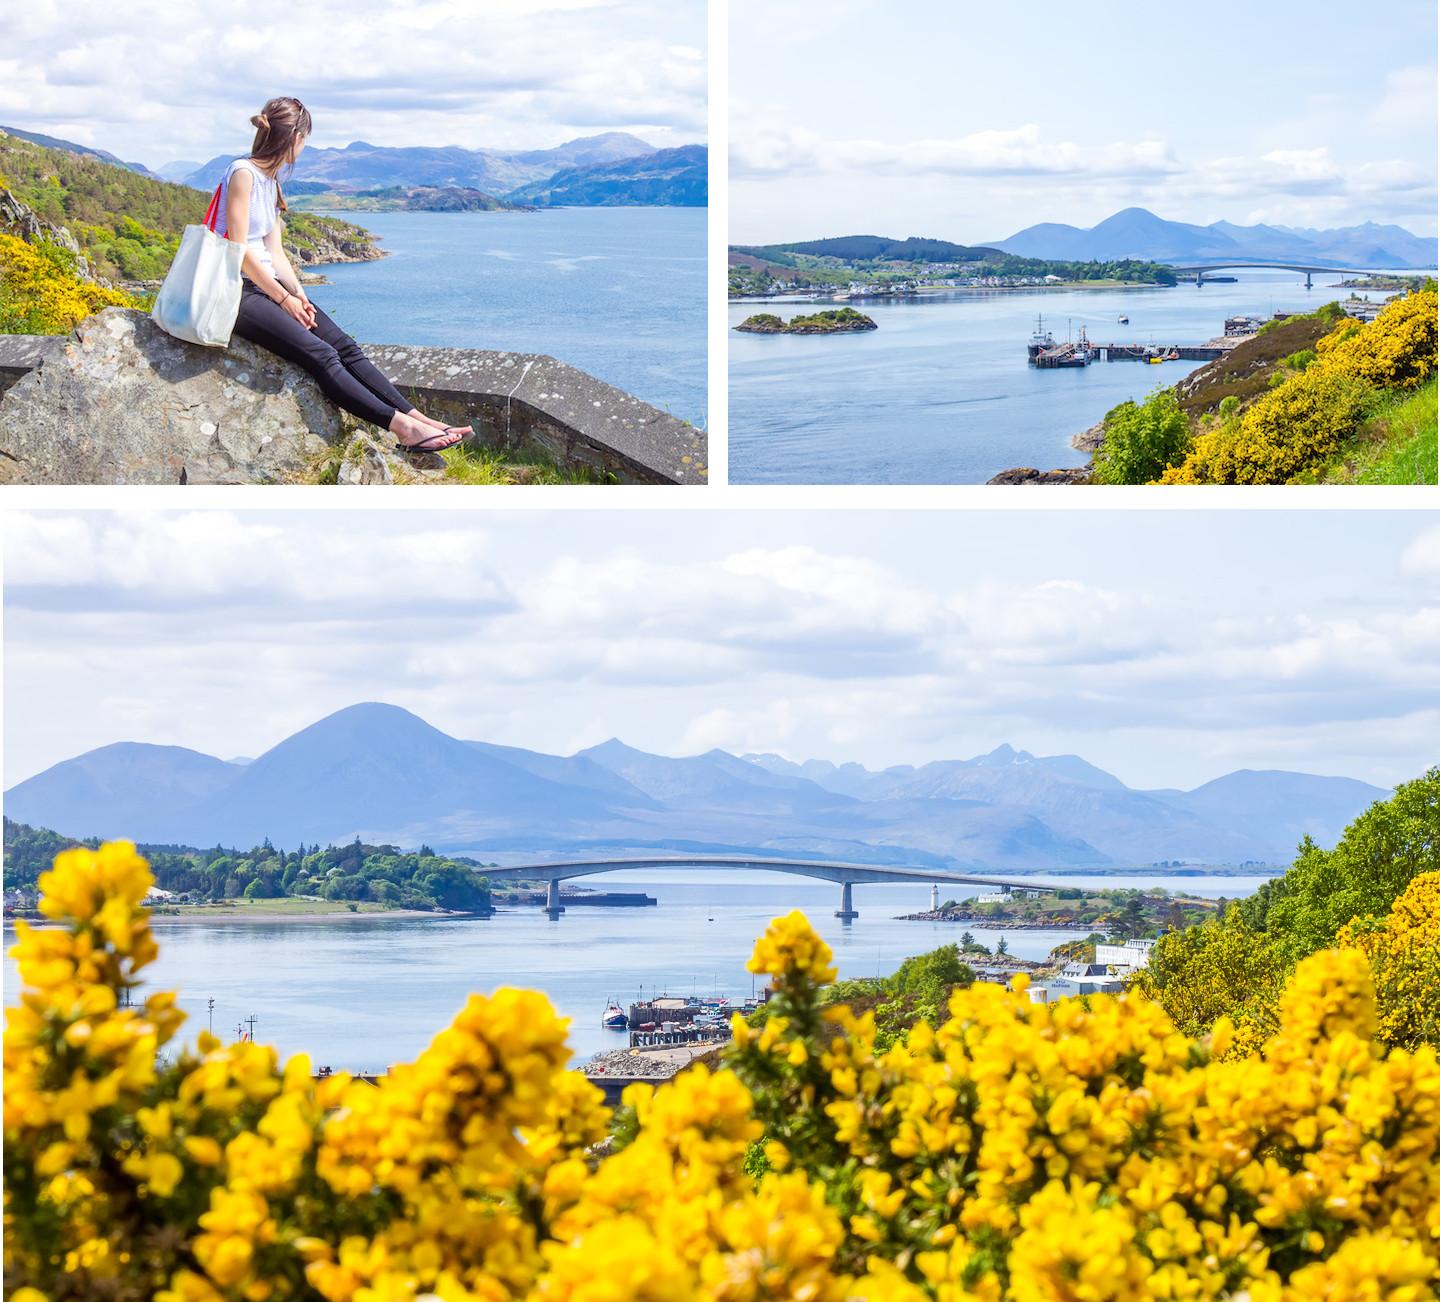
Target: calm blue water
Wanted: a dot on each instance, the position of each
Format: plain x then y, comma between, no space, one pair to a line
942,393
364,993
618,292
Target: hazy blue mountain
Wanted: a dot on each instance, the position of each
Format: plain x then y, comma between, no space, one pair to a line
70,147
131,790
1138,233
1279,806
379,772
573,770
713,781
363,166
179,169
671,178
608,147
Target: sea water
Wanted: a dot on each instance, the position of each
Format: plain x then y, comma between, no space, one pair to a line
617,292
364,991
942,392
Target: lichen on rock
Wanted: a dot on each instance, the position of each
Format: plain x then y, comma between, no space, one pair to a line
125,403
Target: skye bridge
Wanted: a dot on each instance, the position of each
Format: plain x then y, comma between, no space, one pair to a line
1310,272
846,875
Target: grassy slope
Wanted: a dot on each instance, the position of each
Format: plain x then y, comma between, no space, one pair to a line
128,225
1397,445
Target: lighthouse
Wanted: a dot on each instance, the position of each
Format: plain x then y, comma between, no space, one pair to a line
934,896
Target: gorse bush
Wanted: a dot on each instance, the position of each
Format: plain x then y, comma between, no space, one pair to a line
40,294
1301,423
1017,1151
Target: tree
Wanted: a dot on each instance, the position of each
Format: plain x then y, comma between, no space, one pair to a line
1142,440
1002,947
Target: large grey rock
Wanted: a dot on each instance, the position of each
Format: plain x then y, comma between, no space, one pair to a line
124,403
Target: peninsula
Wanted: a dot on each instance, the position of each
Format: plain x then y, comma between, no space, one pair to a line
835,321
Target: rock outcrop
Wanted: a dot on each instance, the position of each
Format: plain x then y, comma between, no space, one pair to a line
1029,475
122,402
19,219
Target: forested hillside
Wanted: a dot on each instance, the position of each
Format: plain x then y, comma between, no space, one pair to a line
129,225
377,873
1378,890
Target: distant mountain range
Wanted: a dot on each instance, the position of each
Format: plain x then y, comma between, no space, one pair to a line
610,169
1138,233
675,178
381,773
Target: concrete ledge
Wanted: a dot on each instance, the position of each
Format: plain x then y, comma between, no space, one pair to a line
517,401
528,399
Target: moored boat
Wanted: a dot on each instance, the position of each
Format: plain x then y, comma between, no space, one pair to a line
614,1019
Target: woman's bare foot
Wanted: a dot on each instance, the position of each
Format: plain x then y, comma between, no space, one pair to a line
416,414
422,436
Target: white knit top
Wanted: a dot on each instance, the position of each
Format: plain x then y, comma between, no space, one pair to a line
264,205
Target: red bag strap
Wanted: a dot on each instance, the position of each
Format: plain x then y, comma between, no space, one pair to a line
212,213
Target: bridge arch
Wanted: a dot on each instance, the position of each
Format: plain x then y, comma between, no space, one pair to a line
846,875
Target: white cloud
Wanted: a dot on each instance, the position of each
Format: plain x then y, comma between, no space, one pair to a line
154,81
761,145
1409,99
1422,554
838,636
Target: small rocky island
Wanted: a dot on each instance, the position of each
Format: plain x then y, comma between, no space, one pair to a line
834,321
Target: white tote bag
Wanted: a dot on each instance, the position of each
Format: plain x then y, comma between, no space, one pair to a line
200,298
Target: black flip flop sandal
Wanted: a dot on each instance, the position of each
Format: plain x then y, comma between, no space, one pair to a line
423,445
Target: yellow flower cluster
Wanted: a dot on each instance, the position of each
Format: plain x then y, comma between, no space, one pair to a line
1395,351
1404,953
791,949
1302,422
1042,1153
39,295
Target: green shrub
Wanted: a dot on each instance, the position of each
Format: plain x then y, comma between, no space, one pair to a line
1142,440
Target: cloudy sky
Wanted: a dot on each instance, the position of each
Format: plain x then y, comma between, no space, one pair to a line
159,80
969,122
1167,647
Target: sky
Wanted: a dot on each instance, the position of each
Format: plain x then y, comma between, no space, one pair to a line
1167,647
156,81
970,122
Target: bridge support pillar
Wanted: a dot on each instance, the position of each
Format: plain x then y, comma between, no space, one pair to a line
1199,279
1308,280
553,907
846,911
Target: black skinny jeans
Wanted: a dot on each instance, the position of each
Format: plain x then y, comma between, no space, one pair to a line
345,375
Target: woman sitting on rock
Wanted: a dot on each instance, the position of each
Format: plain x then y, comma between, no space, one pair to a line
274,311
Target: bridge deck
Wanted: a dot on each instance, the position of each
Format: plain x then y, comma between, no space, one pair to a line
826,870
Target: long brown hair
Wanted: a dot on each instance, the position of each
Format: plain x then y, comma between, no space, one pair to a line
276,127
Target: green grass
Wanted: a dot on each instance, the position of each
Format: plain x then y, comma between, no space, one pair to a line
1396,445
287,905
472,464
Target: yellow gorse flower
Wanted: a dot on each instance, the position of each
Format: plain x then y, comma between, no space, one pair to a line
1042,1153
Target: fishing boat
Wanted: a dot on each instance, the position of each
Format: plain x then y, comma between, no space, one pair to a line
1123,319
1041,341
614,1019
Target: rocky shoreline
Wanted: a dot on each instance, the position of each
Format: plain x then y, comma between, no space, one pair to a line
989,924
